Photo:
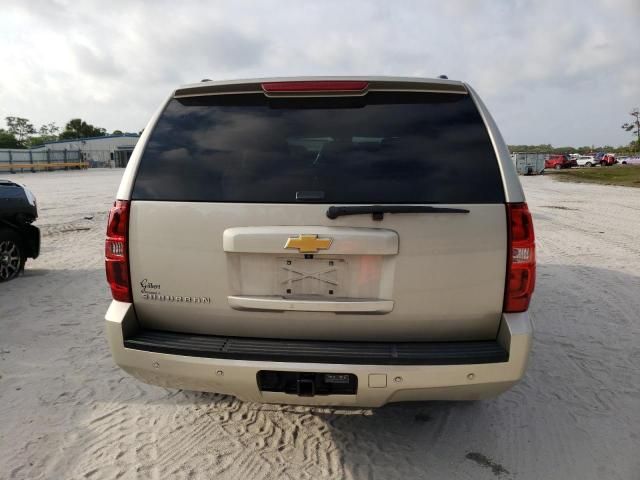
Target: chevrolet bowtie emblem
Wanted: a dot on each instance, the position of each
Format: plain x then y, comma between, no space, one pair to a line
308,243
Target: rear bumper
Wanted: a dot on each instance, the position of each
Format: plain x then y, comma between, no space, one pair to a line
378,384
31,234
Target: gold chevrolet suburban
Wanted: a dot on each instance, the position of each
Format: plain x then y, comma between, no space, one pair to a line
322,241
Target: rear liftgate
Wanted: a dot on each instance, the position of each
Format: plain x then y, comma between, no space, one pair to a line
336,222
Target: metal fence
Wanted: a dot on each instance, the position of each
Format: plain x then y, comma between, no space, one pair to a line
37,160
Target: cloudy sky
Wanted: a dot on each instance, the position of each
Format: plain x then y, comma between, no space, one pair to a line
560,72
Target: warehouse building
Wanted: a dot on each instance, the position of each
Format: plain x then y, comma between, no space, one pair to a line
106,151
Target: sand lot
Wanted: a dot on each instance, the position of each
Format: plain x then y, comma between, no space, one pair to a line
67,412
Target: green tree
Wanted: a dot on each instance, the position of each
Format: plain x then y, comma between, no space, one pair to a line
49,130
40,139
8,139
46,133
634,125
117,132
22,128
78,128
564,150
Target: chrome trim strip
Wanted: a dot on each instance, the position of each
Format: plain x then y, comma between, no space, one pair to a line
285,304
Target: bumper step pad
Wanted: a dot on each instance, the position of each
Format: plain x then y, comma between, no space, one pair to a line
318,351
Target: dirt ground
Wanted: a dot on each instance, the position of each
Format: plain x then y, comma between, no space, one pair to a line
67,412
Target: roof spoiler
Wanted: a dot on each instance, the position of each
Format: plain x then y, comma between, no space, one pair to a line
374,84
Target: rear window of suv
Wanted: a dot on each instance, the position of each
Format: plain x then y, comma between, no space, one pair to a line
384,147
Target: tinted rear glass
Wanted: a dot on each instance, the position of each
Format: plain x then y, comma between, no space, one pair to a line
380,148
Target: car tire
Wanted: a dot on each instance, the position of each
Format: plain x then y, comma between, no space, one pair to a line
12,258
558,166
588,164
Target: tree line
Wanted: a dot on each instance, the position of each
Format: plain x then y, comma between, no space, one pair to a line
547,148
21,133
632,148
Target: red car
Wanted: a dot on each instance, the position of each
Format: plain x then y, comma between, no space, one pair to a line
557,162
608,159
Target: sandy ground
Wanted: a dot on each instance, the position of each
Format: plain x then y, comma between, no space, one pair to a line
67,412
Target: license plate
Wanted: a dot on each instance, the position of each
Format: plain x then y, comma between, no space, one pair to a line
336,378
310,276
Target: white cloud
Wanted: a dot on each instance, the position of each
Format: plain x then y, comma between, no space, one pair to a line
559,72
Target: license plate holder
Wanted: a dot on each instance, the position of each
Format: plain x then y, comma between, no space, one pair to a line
310,276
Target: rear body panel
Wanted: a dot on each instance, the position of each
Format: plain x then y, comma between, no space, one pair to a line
446,278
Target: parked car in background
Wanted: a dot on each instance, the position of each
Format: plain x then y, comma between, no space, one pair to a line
573,158
586,161
608,159
557,162
630,160
19,239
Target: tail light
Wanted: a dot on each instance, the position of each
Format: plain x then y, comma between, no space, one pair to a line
327,86
521,261
116,251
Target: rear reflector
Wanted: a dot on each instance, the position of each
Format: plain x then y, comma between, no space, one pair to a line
324,86
521,260
116,251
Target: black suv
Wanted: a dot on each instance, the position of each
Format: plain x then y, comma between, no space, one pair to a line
19,239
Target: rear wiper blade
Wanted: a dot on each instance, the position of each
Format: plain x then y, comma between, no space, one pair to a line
378,211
